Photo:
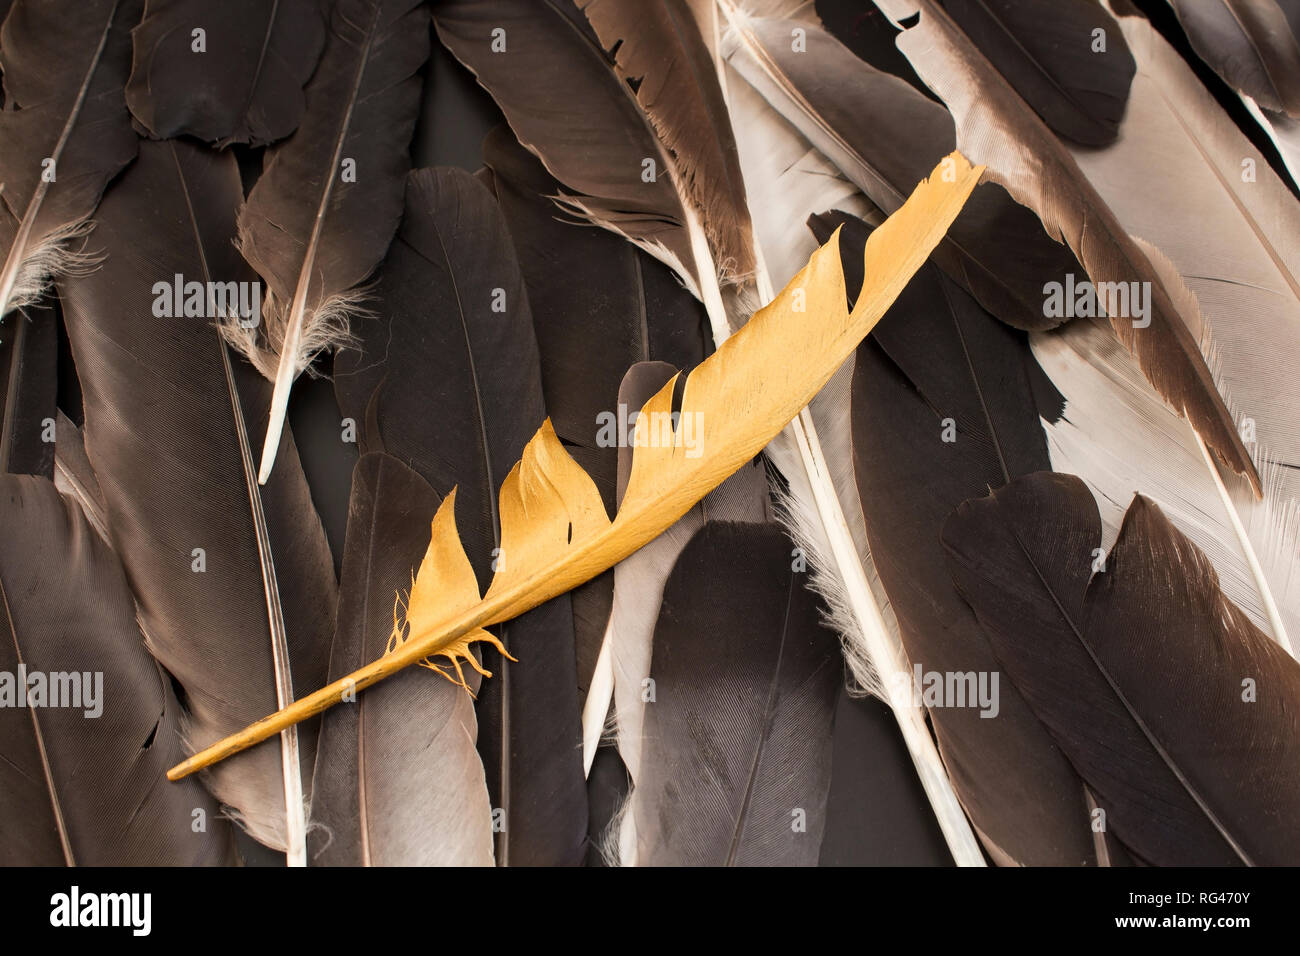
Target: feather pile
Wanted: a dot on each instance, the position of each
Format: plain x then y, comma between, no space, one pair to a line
751,479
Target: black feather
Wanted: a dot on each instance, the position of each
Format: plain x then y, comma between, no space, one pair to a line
1050,53
1180,714
868,33
737,754
877,813
161,434
451,386
936,361
244,86
29,381
76,786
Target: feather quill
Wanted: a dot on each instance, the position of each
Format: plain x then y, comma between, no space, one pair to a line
1285,134
64,134
75,479
451,386
245,83
1038,170
568,538
1134,667
236,601
79,787
786,180
321,217
818,501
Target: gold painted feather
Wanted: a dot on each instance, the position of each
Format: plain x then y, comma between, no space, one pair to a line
555,533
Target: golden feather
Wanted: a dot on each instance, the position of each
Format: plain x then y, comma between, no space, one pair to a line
555,533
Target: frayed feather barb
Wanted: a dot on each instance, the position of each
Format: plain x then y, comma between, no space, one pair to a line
48,259
330,328
453,652
443,584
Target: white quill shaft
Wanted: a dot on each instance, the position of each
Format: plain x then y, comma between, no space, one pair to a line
295,831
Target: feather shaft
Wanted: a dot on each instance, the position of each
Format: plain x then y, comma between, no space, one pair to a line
290,765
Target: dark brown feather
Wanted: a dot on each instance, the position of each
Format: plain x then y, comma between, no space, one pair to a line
1181,716
64,132
161,434
937,360
736,766
398,781
244,86
447,381
83,783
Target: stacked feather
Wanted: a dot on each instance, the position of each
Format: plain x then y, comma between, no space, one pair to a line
1058,479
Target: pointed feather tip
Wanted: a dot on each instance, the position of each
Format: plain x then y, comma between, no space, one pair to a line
269,448
944,192
284,380
1244,467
